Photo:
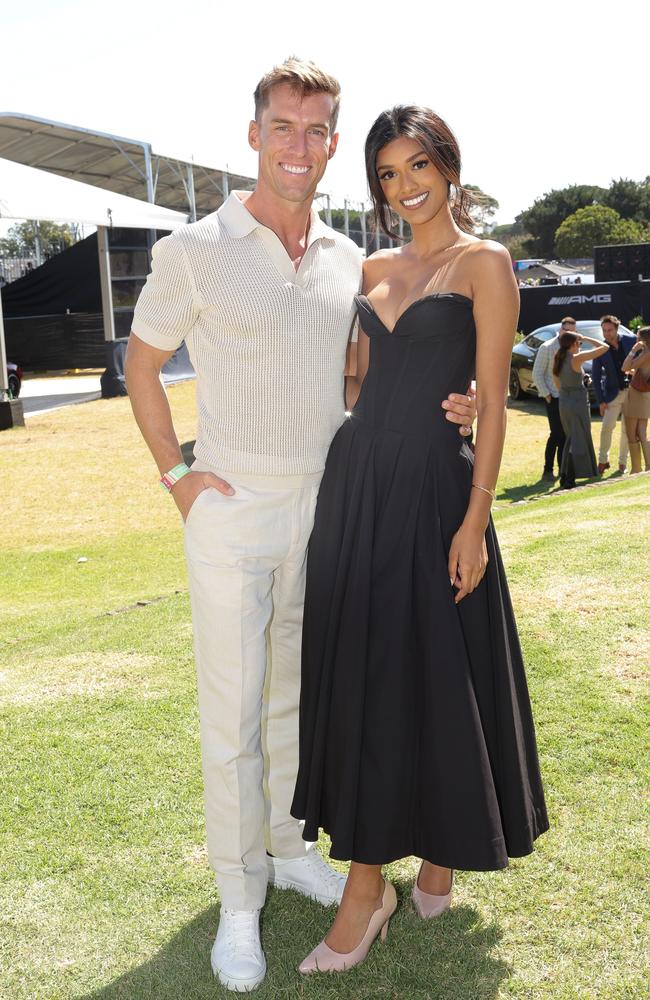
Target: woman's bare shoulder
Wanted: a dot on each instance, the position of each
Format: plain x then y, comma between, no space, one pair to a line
489,253
379,265
489,265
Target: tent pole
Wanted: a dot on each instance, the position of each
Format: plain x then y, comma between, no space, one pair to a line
151,197
4,381
11,410
190,190
105,280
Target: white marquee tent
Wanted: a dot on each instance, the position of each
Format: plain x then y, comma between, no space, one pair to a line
28,193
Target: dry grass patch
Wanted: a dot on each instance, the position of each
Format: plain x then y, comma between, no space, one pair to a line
197,856
630,660
582,594
80,675
83,496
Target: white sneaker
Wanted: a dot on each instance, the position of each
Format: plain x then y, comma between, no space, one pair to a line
237,958
309,875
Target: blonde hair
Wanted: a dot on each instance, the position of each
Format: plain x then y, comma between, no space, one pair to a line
304,78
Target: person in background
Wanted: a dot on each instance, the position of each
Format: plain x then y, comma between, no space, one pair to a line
578,456
610,386
636,409
547,389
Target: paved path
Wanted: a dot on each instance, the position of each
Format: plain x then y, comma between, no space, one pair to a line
42,394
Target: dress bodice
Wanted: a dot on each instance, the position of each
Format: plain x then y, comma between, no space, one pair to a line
568,378
430,352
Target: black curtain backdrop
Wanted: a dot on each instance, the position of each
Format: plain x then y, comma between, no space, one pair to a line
551,303
68,281
50,343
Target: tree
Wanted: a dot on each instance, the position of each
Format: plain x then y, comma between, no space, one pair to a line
484,208
544,216
516,246
631,199
21,239
594,225
512,236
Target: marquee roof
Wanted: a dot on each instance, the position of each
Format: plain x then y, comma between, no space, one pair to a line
114,163
28,193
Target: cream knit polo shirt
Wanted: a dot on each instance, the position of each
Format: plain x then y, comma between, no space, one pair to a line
267,342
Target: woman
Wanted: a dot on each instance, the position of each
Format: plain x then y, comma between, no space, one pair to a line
636,409
416,731
578,455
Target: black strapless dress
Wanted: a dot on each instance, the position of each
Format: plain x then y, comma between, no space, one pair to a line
416,733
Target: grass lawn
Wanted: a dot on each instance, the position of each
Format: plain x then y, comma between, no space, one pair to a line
106,891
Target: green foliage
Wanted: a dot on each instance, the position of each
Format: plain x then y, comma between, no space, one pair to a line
594,225
513,237
631,199
484,206
21,239
635,323
547,213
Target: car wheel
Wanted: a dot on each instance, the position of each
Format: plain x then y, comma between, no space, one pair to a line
514,385
14,385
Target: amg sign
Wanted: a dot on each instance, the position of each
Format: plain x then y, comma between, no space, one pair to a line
574,300
542,304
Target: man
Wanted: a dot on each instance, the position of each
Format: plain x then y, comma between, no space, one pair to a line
547,389
263,293
610,386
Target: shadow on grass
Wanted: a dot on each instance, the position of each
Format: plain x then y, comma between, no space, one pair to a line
526,491
448,958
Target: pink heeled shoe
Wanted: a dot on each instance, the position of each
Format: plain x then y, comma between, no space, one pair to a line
323,959
427,904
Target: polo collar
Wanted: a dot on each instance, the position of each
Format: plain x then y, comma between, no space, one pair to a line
239,221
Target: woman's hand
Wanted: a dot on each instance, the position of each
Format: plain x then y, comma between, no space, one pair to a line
468,560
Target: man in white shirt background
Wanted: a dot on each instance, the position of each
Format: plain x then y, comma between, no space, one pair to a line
262,291
549,392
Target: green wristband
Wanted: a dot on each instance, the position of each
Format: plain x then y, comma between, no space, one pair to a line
169,478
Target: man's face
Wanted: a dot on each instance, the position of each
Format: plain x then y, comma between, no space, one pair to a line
294,142
610,332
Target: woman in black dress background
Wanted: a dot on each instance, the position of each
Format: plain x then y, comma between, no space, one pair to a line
416,731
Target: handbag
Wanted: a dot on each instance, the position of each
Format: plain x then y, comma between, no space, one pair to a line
640,382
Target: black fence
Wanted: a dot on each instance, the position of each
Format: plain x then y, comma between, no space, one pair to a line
46,343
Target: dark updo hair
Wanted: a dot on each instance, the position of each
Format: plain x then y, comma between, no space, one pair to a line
438,142
643,333
567,340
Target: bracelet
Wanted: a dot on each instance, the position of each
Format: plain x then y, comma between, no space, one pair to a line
170,478
492,493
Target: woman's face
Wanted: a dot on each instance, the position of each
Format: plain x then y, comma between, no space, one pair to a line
413,187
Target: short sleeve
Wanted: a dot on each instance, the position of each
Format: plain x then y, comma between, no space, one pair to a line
167,307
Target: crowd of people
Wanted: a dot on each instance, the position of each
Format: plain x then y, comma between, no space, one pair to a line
620,377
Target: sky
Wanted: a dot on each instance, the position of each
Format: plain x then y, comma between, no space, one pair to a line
539,96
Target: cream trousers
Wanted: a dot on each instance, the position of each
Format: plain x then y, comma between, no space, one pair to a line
612,414
246,559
